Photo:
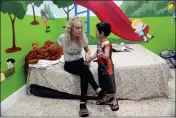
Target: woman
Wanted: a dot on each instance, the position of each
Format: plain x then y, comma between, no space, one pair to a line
72,43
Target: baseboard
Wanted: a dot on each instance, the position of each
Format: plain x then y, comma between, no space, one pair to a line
11,100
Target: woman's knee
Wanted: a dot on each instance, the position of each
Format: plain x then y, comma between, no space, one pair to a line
70,69
84,68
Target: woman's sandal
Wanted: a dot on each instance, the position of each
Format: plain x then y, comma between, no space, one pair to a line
115,107
83,112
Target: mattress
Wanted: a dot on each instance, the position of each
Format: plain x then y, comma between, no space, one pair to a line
139,74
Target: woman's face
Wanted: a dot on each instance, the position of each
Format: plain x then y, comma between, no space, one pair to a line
77,29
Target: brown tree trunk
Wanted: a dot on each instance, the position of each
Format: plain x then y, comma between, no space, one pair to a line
68,16
13,31
67,12
14,48
33,12
34,22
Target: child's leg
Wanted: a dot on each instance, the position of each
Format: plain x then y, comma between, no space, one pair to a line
172,21
115,106
145,38
102,80
149,36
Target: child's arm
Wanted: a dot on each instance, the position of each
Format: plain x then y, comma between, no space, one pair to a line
144,26
106,54
93,56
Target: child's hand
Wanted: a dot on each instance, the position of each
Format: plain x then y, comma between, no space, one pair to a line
100,54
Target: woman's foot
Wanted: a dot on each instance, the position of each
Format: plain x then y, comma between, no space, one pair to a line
106,98
83,111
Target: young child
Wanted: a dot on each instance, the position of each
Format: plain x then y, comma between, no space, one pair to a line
174,20
105,65
45,21
137,24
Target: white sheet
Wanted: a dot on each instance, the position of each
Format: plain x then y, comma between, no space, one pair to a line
139,74
42,63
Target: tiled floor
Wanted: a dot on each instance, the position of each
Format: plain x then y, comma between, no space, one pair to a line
36,106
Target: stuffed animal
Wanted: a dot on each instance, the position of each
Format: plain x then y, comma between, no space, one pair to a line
38,53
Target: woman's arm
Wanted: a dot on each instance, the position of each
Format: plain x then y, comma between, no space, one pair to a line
87,50
88,53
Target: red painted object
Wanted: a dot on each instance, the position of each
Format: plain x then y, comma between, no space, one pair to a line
108,11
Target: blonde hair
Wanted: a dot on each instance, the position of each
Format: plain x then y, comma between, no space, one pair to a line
83,41
134,22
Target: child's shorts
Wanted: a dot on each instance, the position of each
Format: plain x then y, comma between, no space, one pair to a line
142,36
106,81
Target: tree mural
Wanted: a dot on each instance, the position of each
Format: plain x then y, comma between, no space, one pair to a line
14,9
66,5
146,8
34,3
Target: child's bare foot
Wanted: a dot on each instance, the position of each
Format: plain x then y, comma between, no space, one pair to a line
147,41
152,37
115,107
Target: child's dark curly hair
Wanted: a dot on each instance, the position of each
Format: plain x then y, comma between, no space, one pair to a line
104,27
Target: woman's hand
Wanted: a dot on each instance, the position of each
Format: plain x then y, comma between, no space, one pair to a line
87,57
87,54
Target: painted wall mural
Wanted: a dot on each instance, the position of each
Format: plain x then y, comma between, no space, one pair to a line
148,23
